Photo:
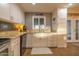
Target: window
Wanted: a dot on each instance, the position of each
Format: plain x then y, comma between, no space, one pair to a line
39,23
36,24
77,29
69,29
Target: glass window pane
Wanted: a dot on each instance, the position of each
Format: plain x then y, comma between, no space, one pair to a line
77,29
35,21
69,29
41,21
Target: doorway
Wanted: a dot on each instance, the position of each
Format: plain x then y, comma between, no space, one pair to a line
73,30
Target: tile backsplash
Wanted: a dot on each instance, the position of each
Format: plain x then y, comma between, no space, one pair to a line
4,26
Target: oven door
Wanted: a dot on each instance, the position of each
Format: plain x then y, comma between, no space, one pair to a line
4,48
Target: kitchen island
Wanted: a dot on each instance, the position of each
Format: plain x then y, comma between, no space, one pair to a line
14,45
46,39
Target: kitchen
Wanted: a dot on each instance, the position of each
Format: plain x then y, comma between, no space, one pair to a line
36,27
13,28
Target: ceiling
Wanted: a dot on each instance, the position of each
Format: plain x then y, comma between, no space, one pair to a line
74,8
41,7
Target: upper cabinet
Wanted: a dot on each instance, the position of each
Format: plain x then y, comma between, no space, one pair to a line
12,12
16,13
4,11
20,15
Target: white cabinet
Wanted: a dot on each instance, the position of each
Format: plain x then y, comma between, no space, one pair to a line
4,11
12,12
52,41
61,42
16,13
33,41
20,16
36,42
29,41
14,49
43,42
39,42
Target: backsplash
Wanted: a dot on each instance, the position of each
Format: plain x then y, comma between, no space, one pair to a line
4,26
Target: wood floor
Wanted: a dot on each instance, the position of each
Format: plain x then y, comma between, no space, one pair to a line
71,50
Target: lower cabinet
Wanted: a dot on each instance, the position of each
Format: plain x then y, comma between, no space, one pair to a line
52,40
61,42
39,42
29,41
14,48
48,41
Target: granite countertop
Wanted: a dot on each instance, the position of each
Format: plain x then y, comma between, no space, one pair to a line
11,34
14,34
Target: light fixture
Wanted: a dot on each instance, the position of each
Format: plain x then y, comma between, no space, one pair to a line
33,3
3,4
67,6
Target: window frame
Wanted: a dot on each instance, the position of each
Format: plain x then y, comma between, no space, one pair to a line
38,20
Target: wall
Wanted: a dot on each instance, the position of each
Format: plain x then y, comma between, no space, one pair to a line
54,22
60,15
29,20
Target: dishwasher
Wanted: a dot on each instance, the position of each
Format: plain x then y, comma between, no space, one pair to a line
4,46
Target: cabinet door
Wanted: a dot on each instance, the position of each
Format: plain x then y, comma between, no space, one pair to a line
43,42
20,16
13,12
61,42
16,13
52,41
5,11
29,41
35,42
39,42
23,38
14,48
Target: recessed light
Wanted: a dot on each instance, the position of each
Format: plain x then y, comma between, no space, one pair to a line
3,4
33,3
69,4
